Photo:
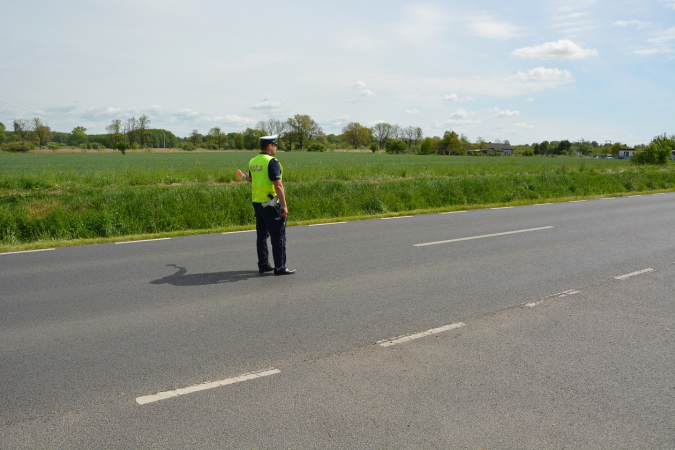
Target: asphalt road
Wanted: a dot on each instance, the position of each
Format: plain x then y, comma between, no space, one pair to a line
549,349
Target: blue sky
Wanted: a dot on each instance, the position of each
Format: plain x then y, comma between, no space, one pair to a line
523,71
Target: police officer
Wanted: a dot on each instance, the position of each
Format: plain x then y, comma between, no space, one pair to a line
269,203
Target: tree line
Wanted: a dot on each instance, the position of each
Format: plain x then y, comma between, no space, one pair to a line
299,132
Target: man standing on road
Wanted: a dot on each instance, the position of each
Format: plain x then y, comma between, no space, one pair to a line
269,203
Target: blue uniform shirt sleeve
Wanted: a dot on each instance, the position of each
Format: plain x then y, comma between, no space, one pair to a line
274,170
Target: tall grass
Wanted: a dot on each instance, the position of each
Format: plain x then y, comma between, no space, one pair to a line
92,212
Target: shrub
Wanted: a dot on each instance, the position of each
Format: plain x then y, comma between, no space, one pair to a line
655,153
316,147
395,146
123,147
53,146
188,147
17,146
211,146
373,147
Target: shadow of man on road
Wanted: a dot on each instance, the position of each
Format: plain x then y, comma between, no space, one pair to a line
181,278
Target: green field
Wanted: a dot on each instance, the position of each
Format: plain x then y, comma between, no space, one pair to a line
56,197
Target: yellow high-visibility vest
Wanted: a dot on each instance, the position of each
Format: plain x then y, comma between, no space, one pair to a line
261,185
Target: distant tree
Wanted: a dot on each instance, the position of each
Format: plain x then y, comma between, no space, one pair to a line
465,143
506,141
3,136
382,131
535,148
272,127
252,138
195,138
563,147
395,146
303,128
544,148
21,129
657,152
130,130
480,144
356,134
451,144
143,126
78,136
42,131
409,135
615,148
427,147
114,132
217,137
584,147
238,141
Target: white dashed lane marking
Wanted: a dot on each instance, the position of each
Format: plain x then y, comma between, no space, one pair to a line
322,224
482,236
397,217
504,207
235,232
453,212
142,240
28,251
204,386
632,274
410,337
558,295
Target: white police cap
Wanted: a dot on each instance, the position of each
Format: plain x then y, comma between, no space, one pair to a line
265,140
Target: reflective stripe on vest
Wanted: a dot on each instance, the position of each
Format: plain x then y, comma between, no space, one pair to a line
261,185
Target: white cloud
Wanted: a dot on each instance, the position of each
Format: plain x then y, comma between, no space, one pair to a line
411,111
459,117
639,25
523,125
669,3
543,75
367,93
338,121
486,26
660,43
421,24
187,112
359,85
529,99
267,103
502,113
462,114
561,49
230,119
450,97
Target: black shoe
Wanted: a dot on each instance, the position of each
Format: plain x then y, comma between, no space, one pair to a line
284,272
265,269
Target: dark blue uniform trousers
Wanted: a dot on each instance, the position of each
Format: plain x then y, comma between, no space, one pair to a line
269,223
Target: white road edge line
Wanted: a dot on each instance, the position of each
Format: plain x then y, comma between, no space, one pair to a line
322,224
142,240
453,212
542,204
397,217
639,272
660,193
410,337
204,386
28,251
504,207
577,201
235,232
483,236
